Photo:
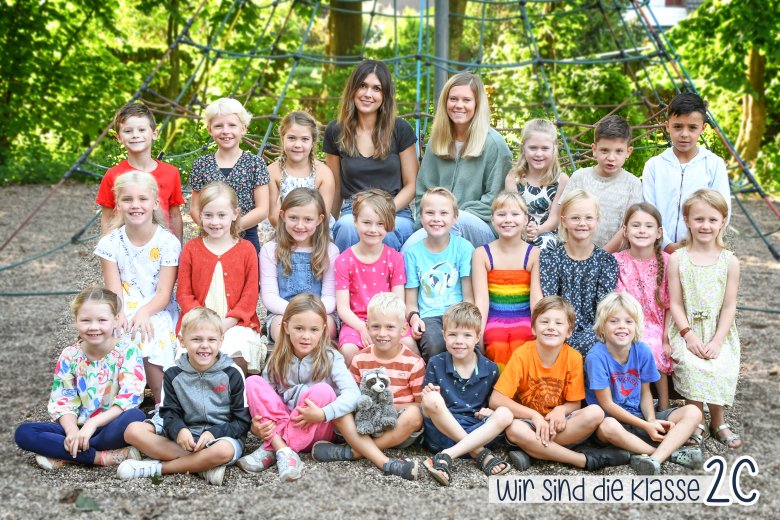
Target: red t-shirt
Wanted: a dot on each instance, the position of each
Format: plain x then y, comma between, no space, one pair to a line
168,185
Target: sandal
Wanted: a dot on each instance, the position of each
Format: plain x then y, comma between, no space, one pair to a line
728,439
440,463
488,465
697,438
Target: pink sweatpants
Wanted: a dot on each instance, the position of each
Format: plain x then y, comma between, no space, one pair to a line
265,402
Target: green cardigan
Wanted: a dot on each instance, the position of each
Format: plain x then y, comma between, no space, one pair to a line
474,182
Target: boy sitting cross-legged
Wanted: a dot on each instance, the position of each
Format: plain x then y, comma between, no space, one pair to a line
386,325
543,384
457,389
204,410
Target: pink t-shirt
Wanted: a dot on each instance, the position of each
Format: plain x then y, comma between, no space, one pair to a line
365,280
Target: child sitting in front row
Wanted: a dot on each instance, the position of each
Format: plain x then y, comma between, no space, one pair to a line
619,369
458,383
438,271
543,386
204,413
406,370
98,385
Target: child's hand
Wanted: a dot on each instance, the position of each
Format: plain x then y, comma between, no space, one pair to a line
557,420
185,440
71,443
531,230
656,430
430,387
140,324
668,349
121,324
263,428
694,344
483,413
418,327
712,349
310,413
364,337
228,323
205,438
542,429
85,434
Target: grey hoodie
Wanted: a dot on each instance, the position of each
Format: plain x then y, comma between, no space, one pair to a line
212,401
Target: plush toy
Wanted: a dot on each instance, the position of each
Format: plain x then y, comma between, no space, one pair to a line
375,410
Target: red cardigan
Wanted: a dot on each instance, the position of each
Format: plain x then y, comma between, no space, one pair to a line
239,265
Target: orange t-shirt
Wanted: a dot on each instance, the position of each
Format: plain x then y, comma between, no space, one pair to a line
525,380
168,186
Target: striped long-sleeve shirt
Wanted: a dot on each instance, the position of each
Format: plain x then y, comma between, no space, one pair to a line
406,372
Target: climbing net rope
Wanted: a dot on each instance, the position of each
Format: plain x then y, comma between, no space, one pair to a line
281,70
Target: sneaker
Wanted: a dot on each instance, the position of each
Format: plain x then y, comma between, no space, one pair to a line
689,457
599,458
116,457
404,468
49,464
214,476
645,465
520,460
290,465
324,451
131,469
257,461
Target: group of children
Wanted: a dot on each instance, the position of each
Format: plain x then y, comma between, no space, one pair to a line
577,299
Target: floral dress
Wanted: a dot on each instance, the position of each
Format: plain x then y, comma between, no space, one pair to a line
638,277
539,202
711,381
139,270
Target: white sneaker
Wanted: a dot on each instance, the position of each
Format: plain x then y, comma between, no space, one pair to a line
131,469
257,461
48,463
290,465
214,476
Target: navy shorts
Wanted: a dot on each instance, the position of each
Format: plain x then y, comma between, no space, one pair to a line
437,441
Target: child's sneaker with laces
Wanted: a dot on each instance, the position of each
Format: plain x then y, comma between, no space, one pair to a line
131,469
404,468
324,451
259,460
599,458
689,457
214,476
645,465
289,464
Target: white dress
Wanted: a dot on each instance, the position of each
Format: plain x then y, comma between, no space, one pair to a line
139,271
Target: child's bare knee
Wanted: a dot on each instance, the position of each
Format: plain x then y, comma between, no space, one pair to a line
593,414
502,416
411,418
520,433
609,429
691,412
136,430
221,452
433,403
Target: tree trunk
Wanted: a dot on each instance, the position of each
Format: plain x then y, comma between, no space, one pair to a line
457,7
174,82
751,131
345,28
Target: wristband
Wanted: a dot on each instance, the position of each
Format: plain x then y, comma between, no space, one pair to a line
684,331
409,316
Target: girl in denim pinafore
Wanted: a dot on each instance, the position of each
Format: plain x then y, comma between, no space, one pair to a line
301,259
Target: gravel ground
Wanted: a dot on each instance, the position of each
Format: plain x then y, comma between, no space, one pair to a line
35,329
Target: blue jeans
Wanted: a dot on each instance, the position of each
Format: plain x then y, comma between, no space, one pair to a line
251,235
48,438
345,235
468,226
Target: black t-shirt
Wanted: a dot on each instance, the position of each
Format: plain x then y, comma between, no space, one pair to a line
360,173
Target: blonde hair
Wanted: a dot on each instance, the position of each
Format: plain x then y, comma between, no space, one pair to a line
646,207
557,303
139,178
387,304
465,315
520,169
282,354
226,107
382,135
713,199
571,198
99,295
442,140
380,201
198,316
285,243
213,191
306,120
442,192
610,305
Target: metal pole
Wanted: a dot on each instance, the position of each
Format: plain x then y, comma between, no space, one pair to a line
442,40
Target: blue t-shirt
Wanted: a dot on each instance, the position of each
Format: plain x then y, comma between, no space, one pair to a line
462,396
437,275
624,381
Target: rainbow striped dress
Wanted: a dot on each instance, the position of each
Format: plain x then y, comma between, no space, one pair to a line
509,311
